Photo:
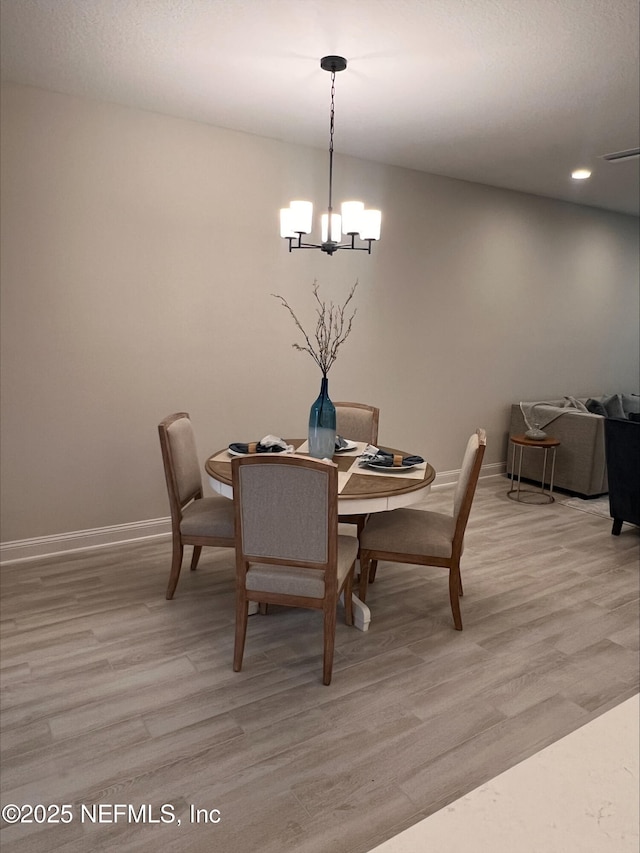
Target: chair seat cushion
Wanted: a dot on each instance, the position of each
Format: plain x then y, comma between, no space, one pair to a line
208,517
308,583
409,531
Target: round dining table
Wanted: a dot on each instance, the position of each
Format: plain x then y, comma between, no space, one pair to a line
361,490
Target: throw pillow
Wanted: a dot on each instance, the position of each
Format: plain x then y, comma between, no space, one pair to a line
631,403
613,405
596,407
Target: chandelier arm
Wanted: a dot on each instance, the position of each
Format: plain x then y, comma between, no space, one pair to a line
301,245
329,247
355,248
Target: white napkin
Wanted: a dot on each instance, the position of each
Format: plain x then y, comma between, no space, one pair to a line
274,441
368,454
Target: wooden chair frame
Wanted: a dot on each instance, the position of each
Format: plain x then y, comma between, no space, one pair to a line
369,558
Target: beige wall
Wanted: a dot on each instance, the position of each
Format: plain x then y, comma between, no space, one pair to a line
139,252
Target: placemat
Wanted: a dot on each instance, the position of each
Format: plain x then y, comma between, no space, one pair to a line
416,473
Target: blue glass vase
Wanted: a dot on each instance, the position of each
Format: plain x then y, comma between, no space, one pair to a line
322,425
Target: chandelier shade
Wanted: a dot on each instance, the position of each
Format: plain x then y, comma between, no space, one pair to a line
354,220
296,219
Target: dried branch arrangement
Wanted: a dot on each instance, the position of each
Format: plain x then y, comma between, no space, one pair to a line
332,328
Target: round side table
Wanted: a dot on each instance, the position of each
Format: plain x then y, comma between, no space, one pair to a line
529,495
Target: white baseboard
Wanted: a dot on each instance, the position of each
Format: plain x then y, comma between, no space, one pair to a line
449,478
101,537
82,540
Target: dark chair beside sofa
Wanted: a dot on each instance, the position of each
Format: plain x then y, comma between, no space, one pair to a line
622,448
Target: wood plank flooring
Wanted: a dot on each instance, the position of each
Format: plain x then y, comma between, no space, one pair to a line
110,694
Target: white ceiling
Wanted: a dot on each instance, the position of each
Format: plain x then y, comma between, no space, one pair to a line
512,93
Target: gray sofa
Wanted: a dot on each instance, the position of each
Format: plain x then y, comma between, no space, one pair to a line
580,461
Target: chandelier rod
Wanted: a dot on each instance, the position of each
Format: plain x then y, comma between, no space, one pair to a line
331,128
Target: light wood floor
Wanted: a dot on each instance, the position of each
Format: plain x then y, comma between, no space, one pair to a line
113,695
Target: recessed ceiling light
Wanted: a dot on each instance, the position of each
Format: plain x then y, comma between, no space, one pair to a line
580,174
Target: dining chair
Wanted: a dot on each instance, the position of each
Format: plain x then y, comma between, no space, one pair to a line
426,538
358,422
195,520
288,548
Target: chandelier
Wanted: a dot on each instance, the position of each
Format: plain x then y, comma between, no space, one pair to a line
296,220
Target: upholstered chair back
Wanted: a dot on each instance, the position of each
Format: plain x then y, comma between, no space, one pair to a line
284,511
181,458
357,422
466,472
467,482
